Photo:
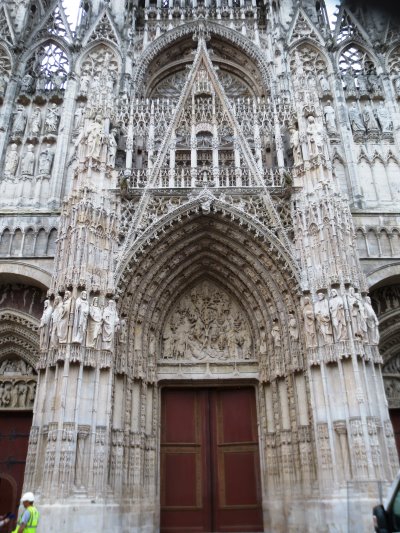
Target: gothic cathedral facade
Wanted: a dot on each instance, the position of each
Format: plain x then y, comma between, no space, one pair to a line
199,264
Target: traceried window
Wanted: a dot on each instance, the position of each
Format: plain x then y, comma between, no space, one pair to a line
46,70
355,60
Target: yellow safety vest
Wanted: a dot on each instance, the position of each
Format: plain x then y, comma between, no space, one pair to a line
32,522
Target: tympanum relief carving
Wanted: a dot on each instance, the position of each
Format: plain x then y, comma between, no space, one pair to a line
17,384
207,324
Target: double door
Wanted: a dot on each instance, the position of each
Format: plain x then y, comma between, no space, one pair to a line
210,474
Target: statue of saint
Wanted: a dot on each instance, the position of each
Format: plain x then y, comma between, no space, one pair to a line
44,325
356,121
93,335
51,120
323,319
45,161
11,163
110,325
28,162
19,123
80,318
62,327
336,308
330,118
309,323
372,322
112,149
55,319
384,118
36,121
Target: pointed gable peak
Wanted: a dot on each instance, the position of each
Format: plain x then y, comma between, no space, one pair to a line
55,23
103,29
302,27
348,28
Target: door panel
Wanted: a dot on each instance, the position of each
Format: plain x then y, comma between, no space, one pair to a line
210,477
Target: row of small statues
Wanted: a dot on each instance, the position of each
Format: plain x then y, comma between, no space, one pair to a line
325,319
19,394
92,325
364,83
36,123
366,119
28,161
44,81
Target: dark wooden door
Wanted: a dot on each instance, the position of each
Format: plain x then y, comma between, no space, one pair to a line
210,479
14,436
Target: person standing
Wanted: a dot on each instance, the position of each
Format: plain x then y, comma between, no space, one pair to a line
29,519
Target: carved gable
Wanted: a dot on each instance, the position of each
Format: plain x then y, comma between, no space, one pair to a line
207,323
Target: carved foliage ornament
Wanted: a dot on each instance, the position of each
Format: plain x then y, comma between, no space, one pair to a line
207,324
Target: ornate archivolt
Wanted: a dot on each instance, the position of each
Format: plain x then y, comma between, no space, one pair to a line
19,344
208,254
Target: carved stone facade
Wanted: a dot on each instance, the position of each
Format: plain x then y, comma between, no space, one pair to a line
193,194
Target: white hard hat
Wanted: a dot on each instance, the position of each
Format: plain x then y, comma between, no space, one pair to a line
28,497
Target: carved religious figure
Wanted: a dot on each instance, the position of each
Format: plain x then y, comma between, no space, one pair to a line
350,82
11,163
356,310
295,145
95,139
309,323
330,118
356,121
323,319
55,319
62,327
112,149
79,116
369,119
46,161
27,83
19,123
293,328
36,122
93,335
28,161
276,334
384,118
52,118
324,83
81,314
315,139
336,308
44,325
372,322
110,325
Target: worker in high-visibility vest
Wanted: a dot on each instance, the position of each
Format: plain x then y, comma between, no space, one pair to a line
29,519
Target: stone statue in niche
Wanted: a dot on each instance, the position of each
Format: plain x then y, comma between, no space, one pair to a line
19,123
11,163
323,319
79,116
356,310
27,83
110,325
369,119
46,161
206,324
28,161
293,328
315,138
362,84
44,325
384,118
52,118
276,333
55,319
349,82
356,121
374,84
295,145
95,139
123,331
336,308
112,149
309,323
372,322
330,118
93,335
324,83
62,327
36,122
80,318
